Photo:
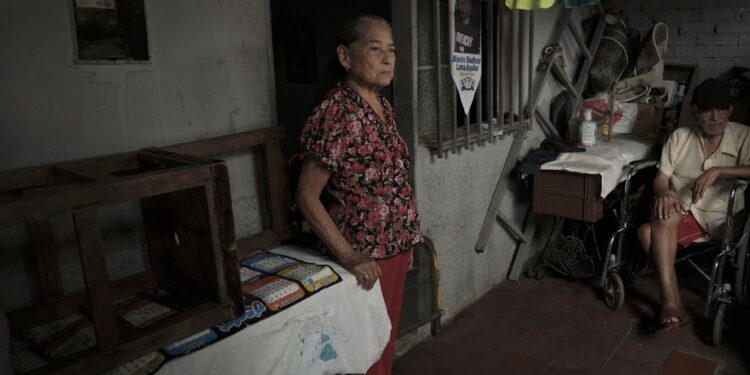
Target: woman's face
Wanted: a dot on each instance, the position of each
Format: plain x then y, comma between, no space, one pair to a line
372,59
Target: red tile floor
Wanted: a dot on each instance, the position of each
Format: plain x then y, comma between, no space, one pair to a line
557,326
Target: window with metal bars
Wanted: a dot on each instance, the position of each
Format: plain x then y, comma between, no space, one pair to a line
496,110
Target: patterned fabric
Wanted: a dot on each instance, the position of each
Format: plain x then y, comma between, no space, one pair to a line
374,206
75,333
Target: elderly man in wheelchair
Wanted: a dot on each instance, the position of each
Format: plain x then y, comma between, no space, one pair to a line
697,170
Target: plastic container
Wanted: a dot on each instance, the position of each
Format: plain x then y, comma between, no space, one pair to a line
672,115
587,131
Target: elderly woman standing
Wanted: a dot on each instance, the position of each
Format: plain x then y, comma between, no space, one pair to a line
352,148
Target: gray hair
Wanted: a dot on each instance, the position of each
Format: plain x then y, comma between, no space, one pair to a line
356,29
352,31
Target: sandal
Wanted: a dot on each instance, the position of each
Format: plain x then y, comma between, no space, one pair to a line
671,319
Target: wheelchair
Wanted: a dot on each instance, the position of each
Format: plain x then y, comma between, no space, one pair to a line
728,279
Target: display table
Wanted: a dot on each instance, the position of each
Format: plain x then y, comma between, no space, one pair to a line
341,329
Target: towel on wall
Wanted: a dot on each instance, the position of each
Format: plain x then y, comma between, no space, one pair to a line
529,4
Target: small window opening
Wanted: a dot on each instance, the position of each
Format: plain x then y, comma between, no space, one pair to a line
110,31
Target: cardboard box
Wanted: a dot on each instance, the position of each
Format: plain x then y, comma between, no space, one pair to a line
648,119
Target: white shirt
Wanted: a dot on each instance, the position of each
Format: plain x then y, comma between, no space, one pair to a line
682,159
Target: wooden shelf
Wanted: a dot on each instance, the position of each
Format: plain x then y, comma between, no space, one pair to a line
180,197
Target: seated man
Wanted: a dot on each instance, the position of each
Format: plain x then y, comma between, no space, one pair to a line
691,190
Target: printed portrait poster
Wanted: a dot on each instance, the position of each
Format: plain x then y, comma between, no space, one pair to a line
466,58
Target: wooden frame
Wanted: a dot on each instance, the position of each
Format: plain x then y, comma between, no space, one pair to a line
276,178
177,188
181,196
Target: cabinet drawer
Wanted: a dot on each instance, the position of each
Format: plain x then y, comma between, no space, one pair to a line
568,194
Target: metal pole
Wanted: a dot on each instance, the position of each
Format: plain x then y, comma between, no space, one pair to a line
529,109
438,60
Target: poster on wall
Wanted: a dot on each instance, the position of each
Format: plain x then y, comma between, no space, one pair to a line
466,52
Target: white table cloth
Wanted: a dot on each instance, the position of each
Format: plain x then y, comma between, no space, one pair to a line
341,329
607,159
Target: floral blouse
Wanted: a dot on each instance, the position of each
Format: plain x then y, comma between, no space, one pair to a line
373,205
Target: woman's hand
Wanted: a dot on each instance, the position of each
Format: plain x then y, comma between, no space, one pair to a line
704,181
665,206
364,268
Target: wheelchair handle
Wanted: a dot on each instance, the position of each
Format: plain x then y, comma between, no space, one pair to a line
637,165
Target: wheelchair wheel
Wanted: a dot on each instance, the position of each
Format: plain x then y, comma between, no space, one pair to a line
741,275
614,291
717,325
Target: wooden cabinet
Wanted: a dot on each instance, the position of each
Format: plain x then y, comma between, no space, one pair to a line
568,194
187,216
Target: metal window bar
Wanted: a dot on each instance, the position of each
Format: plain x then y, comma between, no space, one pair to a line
530,68
500,66
499,89
513,67
489,30
438,62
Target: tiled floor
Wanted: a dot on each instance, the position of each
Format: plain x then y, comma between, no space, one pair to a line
556,326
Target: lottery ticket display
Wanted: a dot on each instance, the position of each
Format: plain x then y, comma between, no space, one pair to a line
268,262
275,292
312,276
141,312
248,275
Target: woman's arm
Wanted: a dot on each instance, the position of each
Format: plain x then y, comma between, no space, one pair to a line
313,178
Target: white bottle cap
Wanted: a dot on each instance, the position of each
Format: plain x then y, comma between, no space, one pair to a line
587,115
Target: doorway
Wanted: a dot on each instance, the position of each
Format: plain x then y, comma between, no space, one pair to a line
304,36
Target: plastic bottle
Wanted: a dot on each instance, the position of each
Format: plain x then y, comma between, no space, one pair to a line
587,130
672,116
679,95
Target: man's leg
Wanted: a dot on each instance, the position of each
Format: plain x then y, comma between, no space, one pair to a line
644,237
663,250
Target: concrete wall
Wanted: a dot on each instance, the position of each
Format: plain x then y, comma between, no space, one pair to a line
712,34
211,73
454,192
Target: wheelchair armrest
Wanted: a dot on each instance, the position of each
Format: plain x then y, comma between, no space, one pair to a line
637,165
738,183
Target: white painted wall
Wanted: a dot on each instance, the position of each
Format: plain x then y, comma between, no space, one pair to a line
211,73
453,194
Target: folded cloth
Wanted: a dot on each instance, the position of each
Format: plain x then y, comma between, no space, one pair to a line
689,231
529,4
607,159
579,3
